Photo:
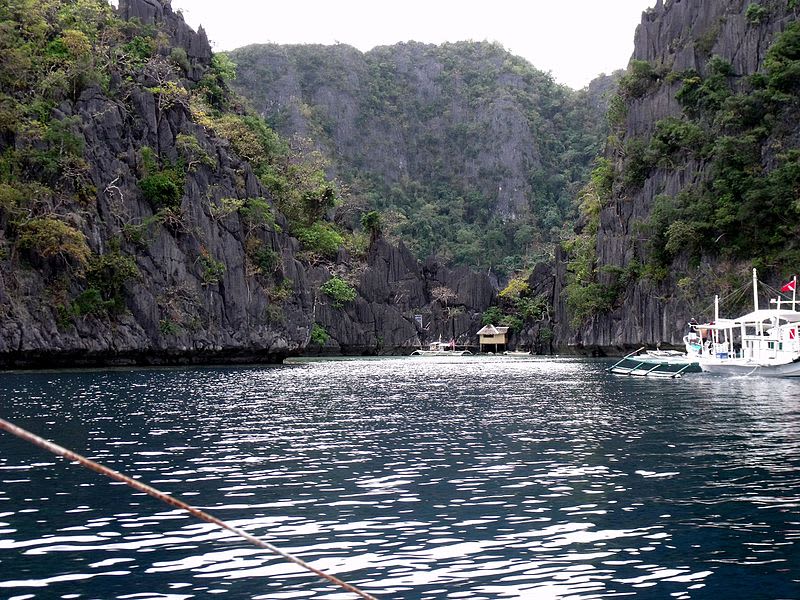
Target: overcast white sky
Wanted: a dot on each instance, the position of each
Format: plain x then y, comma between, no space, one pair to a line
575,40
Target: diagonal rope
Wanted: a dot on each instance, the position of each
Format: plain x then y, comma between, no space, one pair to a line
166,498
732,298
774,291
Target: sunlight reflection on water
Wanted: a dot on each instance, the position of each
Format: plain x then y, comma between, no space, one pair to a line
412,478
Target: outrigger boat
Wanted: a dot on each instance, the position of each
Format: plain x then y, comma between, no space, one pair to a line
669,364
764,342
441,349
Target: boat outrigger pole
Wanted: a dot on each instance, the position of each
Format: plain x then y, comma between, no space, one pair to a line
626,357
34,439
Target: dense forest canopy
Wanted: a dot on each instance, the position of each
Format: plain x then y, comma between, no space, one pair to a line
467,151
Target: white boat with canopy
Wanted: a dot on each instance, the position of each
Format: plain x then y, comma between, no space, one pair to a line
441,349
764,342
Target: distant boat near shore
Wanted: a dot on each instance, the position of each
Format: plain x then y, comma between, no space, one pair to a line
441,349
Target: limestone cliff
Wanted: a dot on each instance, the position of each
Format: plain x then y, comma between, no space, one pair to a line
469,151
133,228
700,177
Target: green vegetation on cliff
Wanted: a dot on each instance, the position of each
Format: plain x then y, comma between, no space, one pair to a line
81,222
51,52
748,208
467,151
735,137
54,52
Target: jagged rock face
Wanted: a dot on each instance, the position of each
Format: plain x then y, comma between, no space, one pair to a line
176,312
376,133
219,320
148,12
156,12
684,34
394,289
464,139
673,37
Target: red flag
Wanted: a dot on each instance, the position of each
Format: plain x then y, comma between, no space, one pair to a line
789,287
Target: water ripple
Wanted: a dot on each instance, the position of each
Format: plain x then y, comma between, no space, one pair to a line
412,478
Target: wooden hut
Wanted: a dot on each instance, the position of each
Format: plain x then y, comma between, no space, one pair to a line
493,339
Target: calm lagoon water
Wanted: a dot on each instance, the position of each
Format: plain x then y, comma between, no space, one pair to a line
412,478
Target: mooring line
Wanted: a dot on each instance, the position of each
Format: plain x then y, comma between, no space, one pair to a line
171,500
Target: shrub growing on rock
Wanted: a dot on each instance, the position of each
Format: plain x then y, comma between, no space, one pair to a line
318,335
320,238
338,290
162,189
50,237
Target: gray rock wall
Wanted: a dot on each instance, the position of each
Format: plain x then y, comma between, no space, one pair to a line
174,313
673,36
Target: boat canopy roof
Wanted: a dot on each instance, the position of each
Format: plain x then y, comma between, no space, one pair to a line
721,324
757,316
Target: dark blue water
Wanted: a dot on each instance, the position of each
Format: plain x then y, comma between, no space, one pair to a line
412,478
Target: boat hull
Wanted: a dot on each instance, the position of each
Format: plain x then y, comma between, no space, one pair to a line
742,367
651,372
441,353
667,359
